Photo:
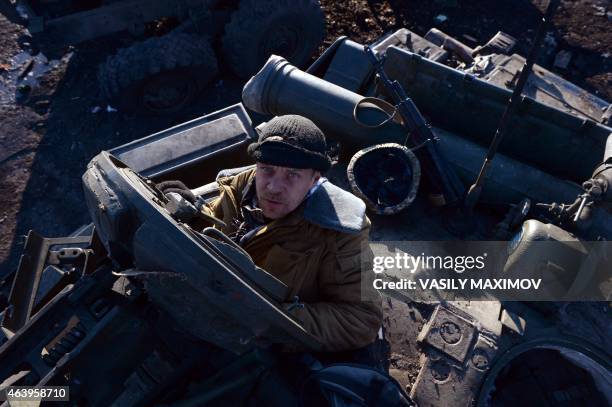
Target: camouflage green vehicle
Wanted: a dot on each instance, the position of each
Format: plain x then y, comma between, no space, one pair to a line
126,300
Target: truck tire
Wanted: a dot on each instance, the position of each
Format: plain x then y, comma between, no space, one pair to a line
160,75
258,28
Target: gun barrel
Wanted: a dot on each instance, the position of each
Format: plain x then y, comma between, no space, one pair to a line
441,176
281,88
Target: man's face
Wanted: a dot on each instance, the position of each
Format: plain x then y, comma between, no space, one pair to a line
281,189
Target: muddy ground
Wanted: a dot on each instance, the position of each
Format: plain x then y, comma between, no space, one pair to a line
48,134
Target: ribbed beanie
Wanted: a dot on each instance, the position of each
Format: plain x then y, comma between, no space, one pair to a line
291,141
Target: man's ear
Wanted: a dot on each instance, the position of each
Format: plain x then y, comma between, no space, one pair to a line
316,174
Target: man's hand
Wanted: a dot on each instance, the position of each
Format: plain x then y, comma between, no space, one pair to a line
179,188
184,206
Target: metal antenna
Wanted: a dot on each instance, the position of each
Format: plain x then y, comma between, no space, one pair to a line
476,189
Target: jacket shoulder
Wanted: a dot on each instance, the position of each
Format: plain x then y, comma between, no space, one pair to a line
236,178
331,207
230,172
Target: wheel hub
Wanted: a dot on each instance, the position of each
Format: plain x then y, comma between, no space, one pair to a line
167,93
281,41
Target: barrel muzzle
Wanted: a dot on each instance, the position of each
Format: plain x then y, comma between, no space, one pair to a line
255,92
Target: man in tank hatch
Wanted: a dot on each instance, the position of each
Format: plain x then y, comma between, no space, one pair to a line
303,230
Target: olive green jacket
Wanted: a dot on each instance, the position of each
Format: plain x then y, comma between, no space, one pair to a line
320,264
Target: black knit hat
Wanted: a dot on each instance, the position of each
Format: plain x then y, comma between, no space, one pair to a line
291,141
